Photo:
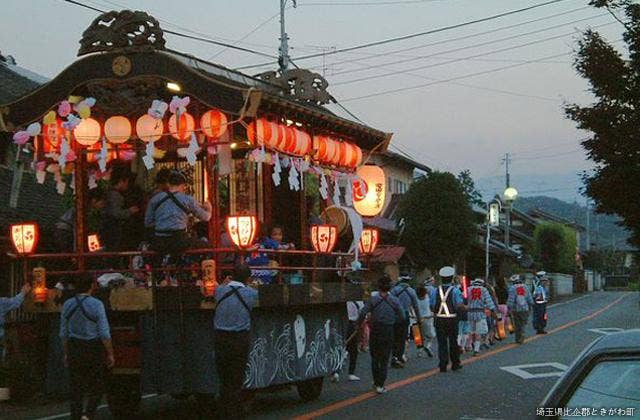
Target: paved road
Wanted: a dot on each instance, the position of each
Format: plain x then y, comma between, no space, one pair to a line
482,389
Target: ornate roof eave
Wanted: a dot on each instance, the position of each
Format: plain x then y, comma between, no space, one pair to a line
122,66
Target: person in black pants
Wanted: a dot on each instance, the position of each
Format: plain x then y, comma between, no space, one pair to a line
447,301
385,311
353,310
232,323
86,342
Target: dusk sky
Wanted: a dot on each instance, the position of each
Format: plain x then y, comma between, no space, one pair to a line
469,122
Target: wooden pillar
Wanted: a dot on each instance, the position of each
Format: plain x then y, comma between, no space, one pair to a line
80,185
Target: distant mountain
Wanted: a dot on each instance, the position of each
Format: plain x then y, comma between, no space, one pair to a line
562,186
604,232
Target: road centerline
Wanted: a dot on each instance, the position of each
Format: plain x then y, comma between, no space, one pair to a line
416,378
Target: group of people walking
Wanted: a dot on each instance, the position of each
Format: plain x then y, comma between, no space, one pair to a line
458,317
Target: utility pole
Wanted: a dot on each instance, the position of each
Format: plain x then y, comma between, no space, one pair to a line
588,227
507,230
284,58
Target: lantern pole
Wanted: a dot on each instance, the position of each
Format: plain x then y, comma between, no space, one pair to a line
80,182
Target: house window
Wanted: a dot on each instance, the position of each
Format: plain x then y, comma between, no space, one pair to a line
399,187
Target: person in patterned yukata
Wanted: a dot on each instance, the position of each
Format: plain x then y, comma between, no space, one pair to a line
519,302
479,302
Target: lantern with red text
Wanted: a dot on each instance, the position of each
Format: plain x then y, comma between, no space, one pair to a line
87,133
209,283
373,189
52,135
117,129
183,130
242,230
324,238
39,285
149,129
93,243
24,237
369,240
213,123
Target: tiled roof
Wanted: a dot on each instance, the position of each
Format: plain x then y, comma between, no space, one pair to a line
16,82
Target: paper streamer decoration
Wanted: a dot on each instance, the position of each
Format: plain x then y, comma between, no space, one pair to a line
324,187
93,182
102,159
64,151
356,227
277,169
336,193
192,150
348,195
148,160
294,180
158,109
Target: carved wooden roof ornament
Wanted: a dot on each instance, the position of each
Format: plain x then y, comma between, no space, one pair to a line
113,31
301,84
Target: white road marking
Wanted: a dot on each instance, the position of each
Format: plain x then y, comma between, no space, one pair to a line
100,407
605,331
554,369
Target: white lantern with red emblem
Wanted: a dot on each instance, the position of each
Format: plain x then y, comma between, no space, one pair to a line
242,230
24,237
324,238
373,201
369,240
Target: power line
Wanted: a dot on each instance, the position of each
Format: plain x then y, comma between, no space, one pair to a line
553,156
248,34
446,41
368,3
513,47
429,32
196,38
404,89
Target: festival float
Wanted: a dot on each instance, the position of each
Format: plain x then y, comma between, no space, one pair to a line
256,148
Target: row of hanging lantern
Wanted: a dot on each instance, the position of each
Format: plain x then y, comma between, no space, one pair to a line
119,129
243,228
296,142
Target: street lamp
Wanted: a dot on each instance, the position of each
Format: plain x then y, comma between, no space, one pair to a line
510,195
493,219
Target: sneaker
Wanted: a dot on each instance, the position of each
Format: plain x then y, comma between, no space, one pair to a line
404,358
353,377
381,390
429,352
456,367
335,377
419,354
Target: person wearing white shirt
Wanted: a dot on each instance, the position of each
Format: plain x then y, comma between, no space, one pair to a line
427,328
353,311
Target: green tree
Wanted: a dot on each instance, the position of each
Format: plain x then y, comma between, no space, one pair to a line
555,247
439,223
614,117
469,187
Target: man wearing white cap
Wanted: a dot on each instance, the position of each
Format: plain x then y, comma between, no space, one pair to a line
446,300
540,300
479,301
519,302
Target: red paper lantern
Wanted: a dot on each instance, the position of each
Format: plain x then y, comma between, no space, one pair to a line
24,237
149,129
324,238
305,145
242,230
93,243
52,135
185,128
213,123
369,240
